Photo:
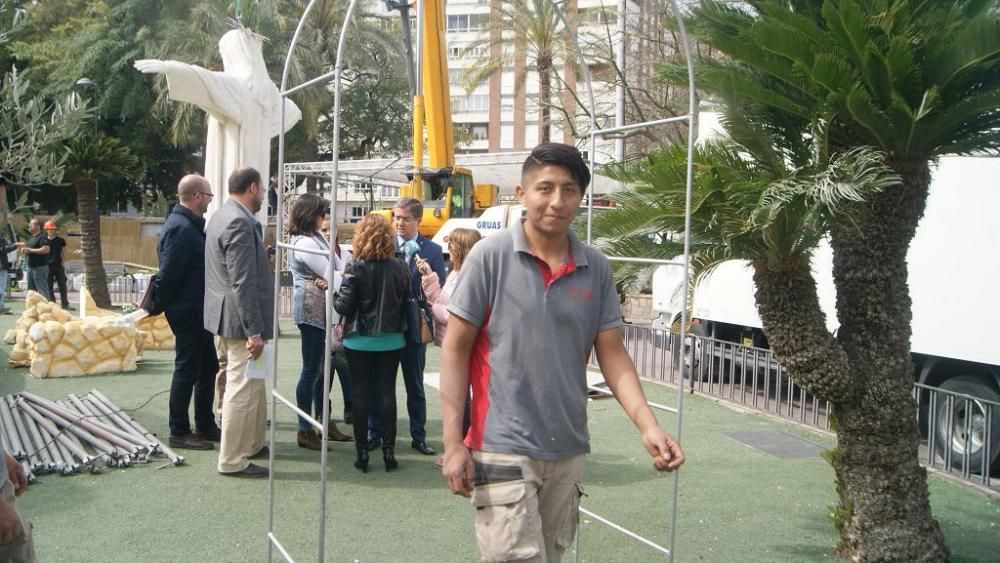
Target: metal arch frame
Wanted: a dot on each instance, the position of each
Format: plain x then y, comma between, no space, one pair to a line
595,132
323,423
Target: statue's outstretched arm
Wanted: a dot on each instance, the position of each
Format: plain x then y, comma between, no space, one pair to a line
215,92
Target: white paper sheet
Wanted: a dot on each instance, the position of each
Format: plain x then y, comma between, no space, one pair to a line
261,367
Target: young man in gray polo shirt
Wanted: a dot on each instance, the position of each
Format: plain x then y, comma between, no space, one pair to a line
531,304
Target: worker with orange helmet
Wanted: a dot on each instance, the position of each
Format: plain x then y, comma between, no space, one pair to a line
57,273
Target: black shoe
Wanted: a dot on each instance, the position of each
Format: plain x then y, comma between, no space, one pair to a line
373,444
189,441
389,457
262,453
362,460
251,472
213,435
422,447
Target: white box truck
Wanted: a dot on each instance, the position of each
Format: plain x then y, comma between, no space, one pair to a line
954,270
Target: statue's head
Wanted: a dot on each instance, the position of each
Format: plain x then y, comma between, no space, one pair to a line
241,53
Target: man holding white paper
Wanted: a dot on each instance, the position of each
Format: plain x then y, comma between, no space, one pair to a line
239,309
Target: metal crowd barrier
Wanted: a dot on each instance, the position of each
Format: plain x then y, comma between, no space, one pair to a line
745,375
961,432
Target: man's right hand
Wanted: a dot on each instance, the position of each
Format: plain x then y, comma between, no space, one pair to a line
422,266
10,524
152,66
458,470
255,345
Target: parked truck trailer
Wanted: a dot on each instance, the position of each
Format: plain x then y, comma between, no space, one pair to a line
953,274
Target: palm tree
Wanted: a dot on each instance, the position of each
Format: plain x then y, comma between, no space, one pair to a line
915,80
539,39
89,160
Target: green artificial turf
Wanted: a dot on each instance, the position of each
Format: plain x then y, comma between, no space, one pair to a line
735,503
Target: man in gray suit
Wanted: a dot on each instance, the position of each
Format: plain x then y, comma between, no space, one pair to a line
239,310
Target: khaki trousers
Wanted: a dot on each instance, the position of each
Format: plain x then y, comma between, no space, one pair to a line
220,376
244,410
22,548
526,509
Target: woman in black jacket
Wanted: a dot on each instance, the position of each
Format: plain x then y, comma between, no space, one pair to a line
371,300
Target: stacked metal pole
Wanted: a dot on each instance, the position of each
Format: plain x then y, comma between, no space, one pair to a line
78,433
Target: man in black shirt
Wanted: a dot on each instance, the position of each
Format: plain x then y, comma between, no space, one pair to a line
57,273
5,247
37,249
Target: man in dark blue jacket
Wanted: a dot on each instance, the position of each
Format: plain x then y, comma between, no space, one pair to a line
406,217
180,293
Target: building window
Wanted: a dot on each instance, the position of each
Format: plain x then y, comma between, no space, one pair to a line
598,16
479,131
479,22
458,23
454,76
477,51
454,52
478,102
357,212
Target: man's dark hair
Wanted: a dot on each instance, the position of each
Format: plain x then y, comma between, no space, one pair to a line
412,205
240,180
562,155
307,210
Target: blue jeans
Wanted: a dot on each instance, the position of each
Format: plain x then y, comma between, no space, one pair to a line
309,391
4,282
413,360
38,280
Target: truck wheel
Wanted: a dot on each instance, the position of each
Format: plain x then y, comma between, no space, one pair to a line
963,427
692,354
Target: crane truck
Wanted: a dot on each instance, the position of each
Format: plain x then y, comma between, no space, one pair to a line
445,189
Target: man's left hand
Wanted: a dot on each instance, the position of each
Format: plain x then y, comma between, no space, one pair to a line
255,345
15,473
666,452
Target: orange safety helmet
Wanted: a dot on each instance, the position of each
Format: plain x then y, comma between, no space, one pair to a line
51,225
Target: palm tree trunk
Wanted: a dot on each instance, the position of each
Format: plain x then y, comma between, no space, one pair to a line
4,205
90,231
796,330
884,510
544,98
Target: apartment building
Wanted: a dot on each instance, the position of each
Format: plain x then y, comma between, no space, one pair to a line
503,112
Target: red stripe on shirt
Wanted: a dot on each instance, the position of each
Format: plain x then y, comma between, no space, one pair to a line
548,276
479,379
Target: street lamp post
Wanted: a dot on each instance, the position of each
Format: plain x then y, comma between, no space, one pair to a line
97,106
97,125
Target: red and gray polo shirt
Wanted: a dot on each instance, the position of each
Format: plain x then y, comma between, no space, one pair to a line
536,331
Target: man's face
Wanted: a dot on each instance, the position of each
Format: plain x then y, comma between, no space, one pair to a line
551,198
257,197
406,224
51,233
33,227
205,196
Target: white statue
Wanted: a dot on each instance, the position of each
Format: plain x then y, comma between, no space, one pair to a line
242,104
